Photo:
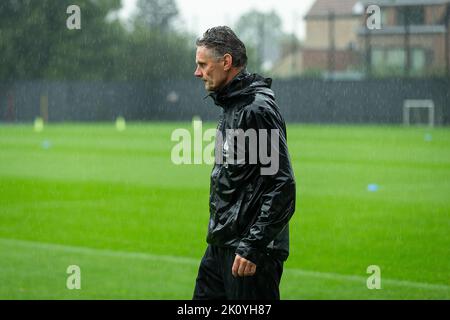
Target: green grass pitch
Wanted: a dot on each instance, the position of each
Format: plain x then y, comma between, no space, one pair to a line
115,205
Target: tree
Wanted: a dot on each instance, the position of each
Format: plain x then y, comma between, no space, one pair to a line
157,14
157,50
35,42
155,55
91,53
289,44
262,32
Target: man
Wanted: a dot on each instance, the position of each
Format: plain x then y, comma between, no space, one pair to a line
248,235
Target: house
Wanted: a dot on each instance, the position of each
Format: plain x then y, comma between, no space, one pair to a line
413,38
290,65
331,42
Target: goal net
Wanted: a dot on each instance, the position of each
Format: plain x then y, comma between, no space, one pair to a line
418,112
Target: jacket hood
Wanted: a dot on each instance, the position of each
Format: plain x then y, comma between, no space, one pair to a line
245,85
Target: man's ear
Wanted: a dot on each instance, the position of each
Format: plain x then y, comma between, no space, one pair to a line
227,62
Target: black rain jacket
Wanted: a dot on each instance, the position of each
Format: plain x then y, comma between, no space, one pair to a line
250,211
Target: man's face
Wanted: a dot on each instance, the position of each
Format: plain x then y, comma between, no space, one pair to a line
210,69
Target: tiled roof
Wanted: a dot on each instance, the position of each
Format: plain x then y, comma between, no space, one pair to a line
338,7
403,2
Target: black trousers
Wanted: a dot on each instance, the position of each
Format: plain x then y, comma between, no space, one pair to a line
216,282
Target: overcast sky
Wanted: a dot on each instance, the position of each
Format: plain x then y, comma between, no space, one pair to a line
199,15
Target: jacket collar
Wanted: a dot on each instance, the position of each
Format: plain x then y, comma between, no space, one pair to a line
232,89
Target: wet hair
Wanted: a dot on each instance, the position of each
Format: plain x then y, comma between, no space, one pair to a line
223,40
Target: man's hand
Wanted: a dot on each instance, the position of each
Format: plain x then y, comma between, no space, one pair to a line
243,267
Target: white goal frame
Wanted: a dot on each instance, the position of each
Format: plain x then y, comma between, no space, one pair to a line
417,104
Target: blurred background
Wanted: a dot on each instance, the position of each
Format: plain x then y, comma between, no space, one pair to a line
128,54
86,117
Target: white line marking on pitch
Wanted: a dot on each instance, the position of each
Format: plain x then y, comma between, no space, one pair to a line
192,261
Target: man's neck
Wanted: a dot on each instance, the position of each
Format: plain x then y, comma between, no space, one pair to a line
233,73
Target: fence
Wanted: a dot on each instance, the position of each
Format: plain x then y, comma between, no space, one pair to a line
301,100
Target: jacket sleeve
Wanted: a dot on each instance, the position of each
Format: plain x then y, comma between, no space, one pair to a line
278,192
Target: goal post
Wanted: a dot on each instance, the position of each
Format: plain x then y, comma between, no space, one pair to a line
409,105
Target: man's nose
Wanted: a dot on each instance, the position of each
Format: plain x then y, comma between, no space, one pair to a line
198,73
